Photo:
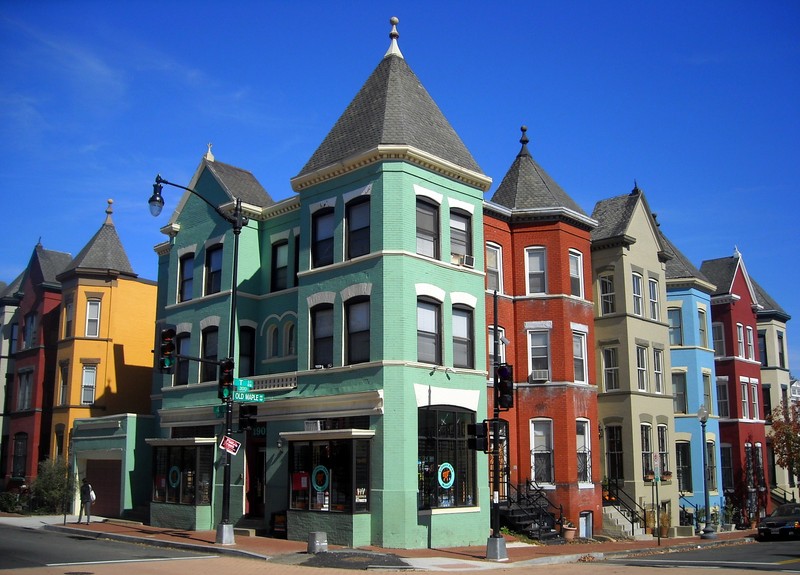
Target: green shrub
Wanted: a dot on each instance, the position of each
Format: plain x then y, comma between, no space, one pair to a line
10,502
51,491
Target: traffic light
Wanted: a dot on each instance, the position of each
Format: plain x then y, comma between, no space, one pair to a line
166,359
225,391
504,394
477,436
247,416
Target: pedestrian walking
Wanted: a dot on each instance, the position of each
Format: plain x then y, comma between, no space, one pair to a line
87,498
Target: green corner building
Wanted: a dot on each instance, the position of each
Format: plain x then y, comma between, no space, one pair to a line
360,320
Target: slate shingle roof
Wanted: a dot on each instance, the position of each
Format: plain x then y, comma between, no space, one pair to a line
527,186
51,263
102,253
679,266
392,108
239,183
613,216
771,307
720,271
7,294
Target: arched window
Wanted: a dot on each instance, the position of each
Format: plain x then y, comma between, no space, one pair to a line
358,226
185,277
322,335
358,333
210,351
322,228
429,332
463,337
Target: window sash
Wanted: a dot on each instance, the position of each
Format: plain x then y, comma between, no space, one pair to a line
93,318
280,266
641,367
460,234
674,320
427,229
186,278
183,344
542,470
607,297
358,332
493,261
429,348
210,353
658,370
463,355
323,225
679,392
88,384
723,407
579,357
654,306
576,274
322,334
610,368
214,270
539,347
701,321
637,295
718,334
358,228
537,276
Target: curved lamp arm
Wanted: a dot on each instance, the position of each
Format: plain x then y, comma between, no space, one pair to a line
156,203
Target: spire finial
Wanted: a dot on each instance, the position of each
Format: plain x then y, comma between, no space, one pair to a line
209,156
394,49
109,211
524,141
635,191
736,252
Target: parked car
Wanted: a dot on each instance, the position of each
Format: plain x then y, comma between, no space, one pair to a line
784,521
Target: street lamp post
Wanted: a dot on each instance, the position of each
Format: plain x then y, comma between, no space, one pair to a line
708,530
225,534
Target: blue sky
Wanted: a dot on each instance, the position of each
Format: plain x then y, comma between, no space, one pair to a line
699,102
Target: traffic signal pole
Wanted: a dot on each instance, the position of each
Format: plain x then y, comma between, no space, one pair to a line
496,544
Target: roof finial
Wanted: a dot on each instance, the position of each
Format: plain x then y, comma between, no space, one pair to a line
394,49
635,191
524,141
109,211
736,252
209,156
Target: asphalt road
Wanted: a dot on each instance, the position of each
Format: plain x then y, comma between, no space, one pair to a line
773,555
23,548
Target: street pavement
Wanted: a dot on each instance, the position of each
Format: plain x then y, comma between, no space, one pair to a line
297,553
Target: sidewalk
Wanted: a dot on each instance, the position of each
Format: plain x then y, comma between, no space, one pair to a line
296,552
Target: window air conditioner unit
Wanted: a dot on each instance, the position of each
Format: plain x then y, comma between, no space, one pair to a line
539,376
469,261
313,425
456,259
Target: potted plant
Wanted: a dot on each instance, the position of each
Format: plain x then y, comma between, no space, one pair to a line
649,521
568,530
649,475
664,522
666,476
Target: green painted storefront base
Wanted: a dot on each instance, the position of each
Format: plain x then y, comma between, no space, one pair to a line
186,517
341,528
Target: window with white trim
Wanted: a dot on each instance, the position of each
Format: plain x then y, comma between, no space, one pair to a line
701,322
638,303
463,345
646,433
213,269
754,399
494,268
584,446
323,224
429,331
679,399
357,314
63,395
279,279
536,262
576,273
358,226
25,390
739,340
743,385
490,345
185,277
608,302
460,233
93,318
663,447
579,356
69,317
322,335
674,320
654,305
723,406
610,368
751,350
718,335
658,370
88,384
542,451
641,367
427,229
539,346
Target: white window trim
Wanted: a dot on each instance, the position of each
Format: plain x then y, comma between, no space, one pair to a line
654,304
579,255
89,317
585,375
637,297
543,250
498,249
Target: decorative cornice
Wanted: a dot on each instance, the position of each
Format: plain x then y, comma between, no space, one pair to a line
616,242
384,153
563,214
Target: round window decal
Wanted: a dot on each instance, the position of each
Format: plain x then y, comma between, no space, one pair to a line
447,476
174,476
320,478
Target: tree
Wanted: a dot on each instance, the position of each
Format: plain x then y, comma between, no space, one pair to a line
51,490
786,436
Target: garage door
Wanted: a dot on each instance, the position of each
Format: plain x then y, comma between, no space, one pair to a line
105,477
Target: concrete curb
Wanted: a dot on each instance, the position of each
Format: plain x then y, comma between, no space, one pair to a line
211,549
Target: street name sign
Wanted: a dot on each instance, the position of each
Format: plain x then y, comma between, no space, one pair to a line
248,397
243,384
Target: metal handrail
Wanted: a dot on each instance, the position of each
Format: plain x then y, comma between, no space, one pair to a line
636,512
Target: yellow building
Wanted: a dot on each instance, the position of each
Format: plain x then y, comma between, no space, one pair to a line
104,359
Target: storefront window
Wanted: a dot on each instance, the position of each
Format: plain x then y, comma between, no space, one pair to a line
182,474
445,466
330,475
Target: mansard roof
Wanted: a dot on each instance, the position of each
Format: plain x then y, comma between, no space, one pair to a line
392,108
102,254
527,186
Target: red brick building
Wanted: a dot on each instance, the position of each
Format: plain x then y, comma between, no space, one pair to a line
538,261
743,461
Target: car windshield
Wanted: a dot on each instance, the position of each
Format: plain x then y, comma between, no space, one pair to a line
785,510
